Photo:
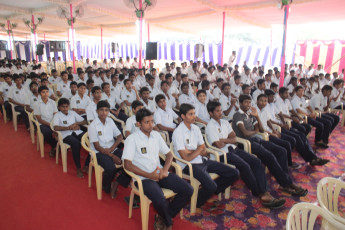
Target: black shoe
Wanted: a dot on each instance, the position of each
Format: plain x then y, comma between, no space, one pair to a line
321,144
318,161
295,165
136,201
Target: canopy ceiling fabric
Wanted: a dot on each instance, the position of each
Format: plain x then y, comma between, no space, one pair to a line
193,17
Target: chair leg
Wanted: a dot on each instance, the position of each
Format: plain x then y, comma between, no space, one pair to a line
194,199
38,142
15,121
98,174
220,196
227,192
131,197
41,137
32,134
4,114
145,209
64,158
90,175
343,118
57,153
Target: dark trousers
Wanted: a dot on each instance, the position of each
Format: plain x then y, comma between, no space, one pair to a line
323,128
304,128
48,135
303,146
288,143
332,118
340,106
22,112
110,170
251,170
274,157
227,176
8,110
168,210
74,141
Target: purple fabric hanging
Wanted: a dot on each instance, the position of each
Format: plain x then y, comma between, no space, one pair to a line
18,51
159,51
203,54
188,52
165,51
239,55
274,55
131,50
210,51
136,50
172,51
256,56
127,50
249,51
27,51
266,56
180,53
293,56
78,50
219,53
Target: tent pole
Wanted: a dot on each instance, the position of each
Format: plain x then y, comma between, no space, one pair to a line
72,31
9,38
102,43
34,32
140,32
68,50
223,38
282,64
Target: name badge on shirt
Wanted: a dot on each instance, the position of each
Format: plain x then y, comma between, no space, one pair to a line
235,90
64,122
64,86
112,89
127,96
228,103
143,150
35,99
300,105
99,133
17,92
187,141
6,90
219,130
78,101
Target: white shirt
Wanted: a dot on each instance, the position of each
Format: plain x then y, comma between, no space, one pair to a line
165,117
63,87
18,95
217,92
299,103
144,151
45,110
5,89
151,105
104,134
201,111
170,100
110,99
97,81
231,61
130,96
283,106
226,103
318,101
131,124
184,138
256,93
91,111
31,99
215,132
236,90
188,99
80,103
245,79
60,119
68,94
334,94
265,116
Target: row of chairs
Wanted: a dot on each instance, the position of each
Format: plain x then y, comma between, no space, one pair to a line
303,216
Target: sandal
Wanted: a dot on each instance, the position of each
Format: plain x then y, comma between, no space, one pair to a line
318,161
295,191
274,204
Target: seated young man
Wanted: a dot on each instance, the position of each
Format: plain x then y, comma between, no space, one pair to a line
220,134
201,113
259,90
113,101
320,102
44,110
141,156
91,109
64,84
32,98
104,138
302,144
129,93
172,102
131,123
186,97
228,102
217,91
68,123
206,85
284,108
72,92
337,94
145,99
4,93
246,124
17,96
80,101
189,145
45,82
164,116
236,87
323,125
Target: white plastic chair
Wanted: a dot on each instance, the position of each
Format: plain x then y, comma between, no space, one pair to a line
15,115
39,135
4,114
64,148
328,190
302,216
